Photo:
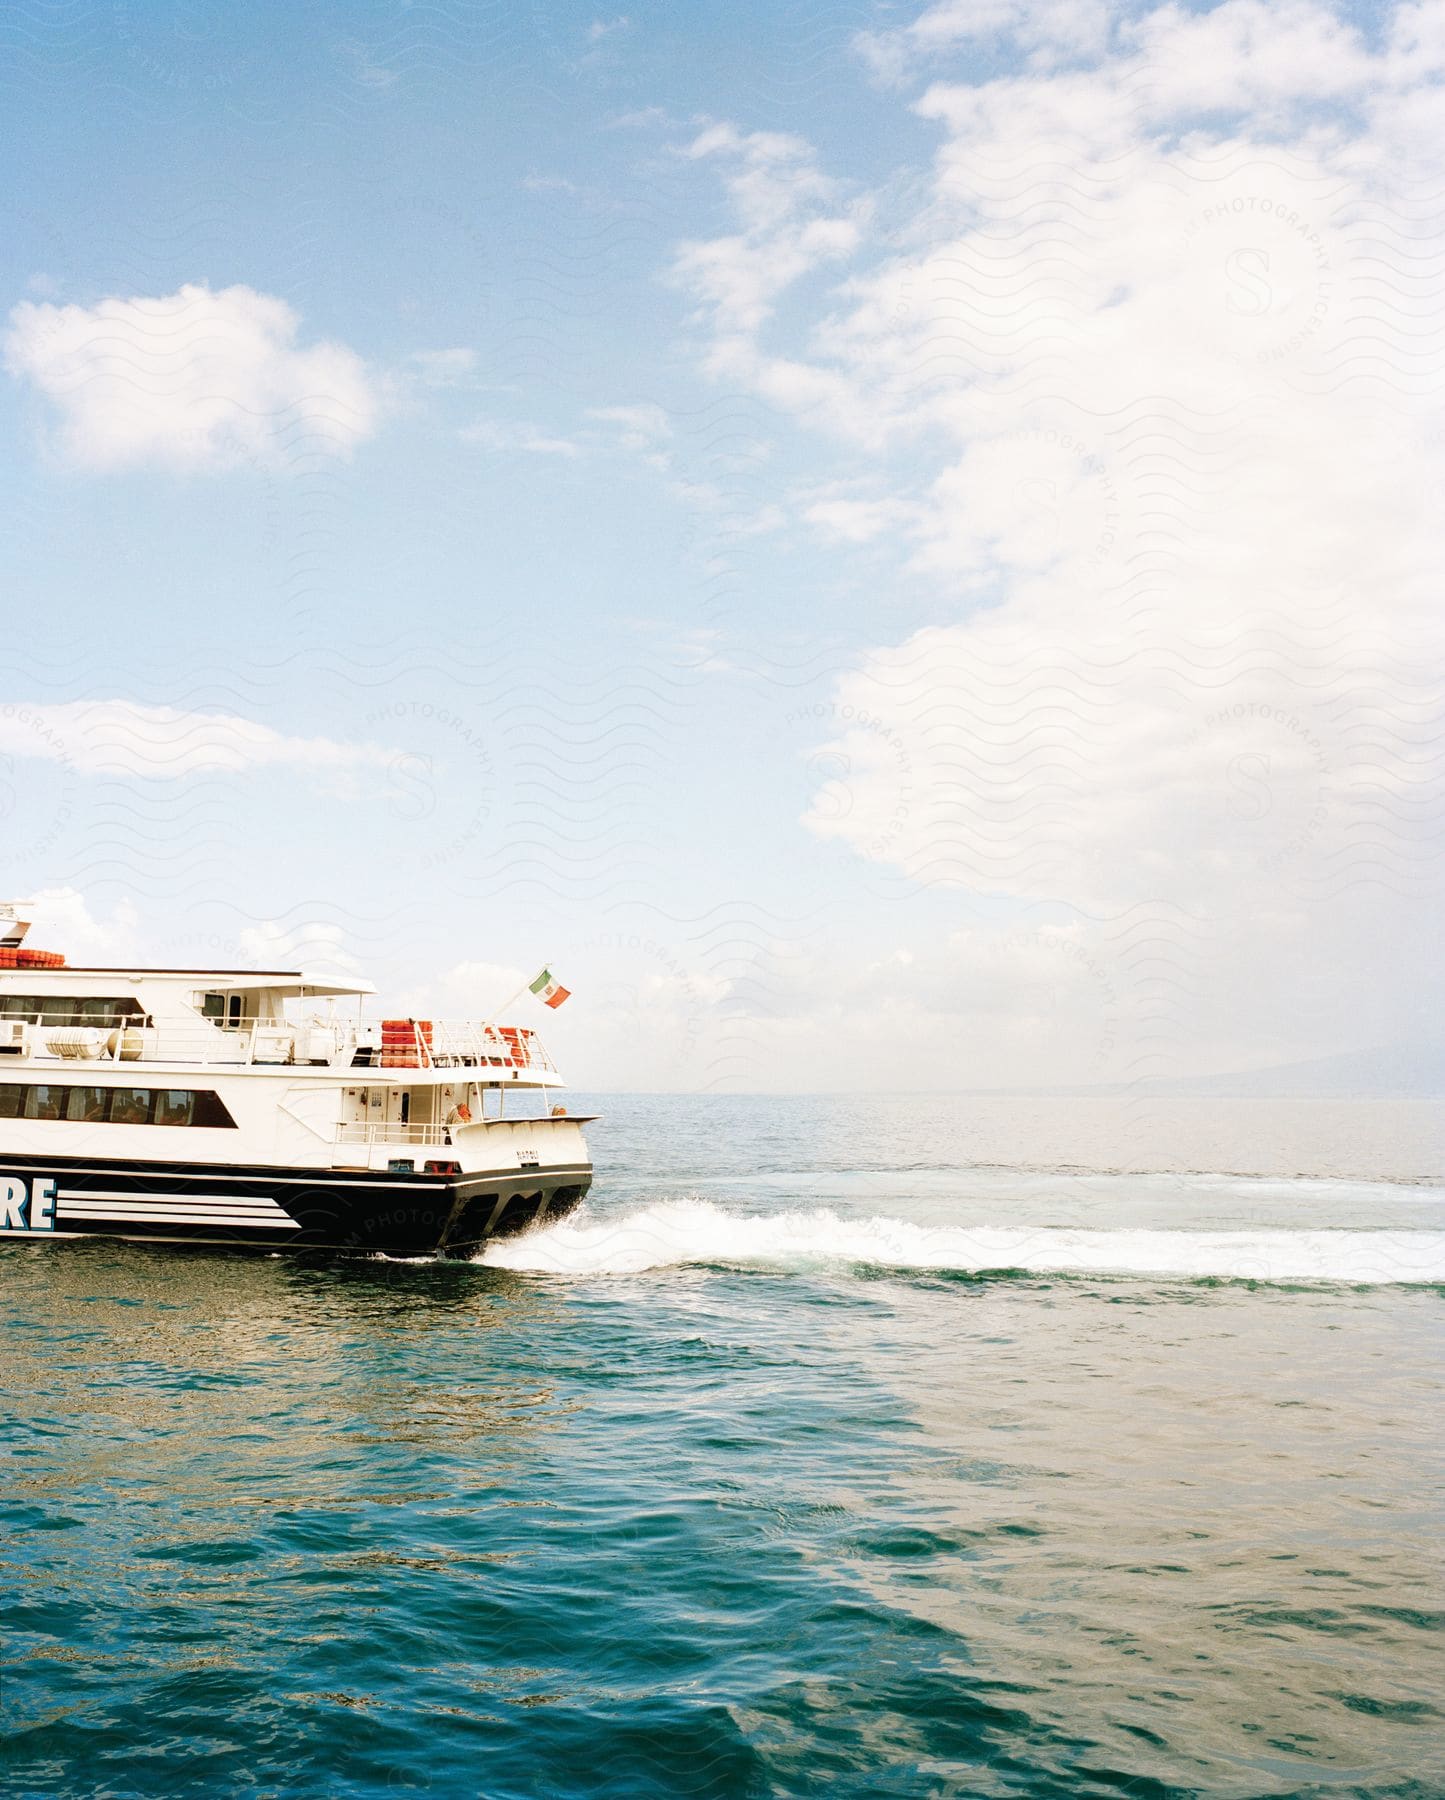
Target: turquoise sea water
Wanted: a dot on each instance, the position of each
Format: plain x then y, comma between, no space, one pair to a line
913,1447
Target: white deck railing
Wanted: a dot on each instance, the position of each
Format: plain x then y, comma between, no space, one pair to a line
393,1134
464,1044
471,1043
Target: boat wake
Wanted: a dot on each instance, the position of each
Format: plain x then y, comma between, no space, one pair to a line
675,1233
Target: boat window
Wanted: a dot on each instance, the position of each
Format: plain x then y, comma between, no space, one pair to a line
174,1106
100,1011
227,1010
122,1105
65,1009
130,1106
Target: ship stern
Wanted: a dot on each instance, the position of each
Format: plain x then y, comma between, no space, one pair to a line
513,1176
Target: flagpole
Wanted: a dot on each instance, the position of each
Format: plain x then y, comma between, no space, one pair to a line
511,1000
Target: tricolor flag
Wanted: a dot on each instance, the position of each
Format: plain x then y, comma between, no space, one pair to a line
548,989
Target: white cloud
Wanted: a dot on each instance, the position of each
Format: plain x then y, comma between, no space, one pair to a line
61,919
1172,475
444,368
551,184
1247,54
792,220
122,738
1049,30
639,426
366,71
1244,54
853,519
468,990
1024,1005
642,118
194,380
512,434
315,946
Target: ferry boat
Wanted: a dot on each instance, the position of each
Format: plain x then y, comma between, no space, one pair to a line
261,1109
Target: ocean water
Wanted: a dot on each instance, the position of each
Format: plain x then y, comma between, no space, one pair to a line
899,1447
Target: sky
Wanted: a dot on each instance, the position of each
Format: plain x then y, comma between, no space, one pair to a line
892,547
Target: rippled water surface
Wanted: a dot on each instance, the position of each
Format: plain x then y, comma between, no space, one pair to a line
908,1447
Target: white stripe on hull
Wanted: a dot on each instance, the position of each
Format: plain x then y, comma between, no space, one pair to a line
119,1210
264,1201
160,1209
259,1221
319,1178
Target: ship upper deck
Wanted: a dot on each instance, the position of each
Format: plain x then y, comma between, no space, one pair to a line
247,1020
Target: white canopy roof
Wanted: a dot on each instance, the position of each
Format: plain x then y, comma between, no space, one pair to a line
234,980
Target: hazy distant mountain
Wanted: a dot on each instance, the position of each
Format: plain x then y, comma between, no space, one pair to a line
1393,1072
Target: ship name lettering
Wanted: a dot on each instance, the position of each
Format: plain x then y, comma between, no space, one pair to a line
22,1209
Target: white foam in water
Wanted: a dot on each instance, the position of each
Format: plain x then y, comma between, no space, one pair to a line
677,1232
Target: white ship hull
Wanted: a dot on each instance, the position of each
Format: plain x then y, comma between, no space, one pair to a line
264,1207
218,1107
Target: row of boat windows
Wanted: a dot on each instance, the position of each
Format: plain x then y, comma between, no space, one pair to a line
62,1009
113,1105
